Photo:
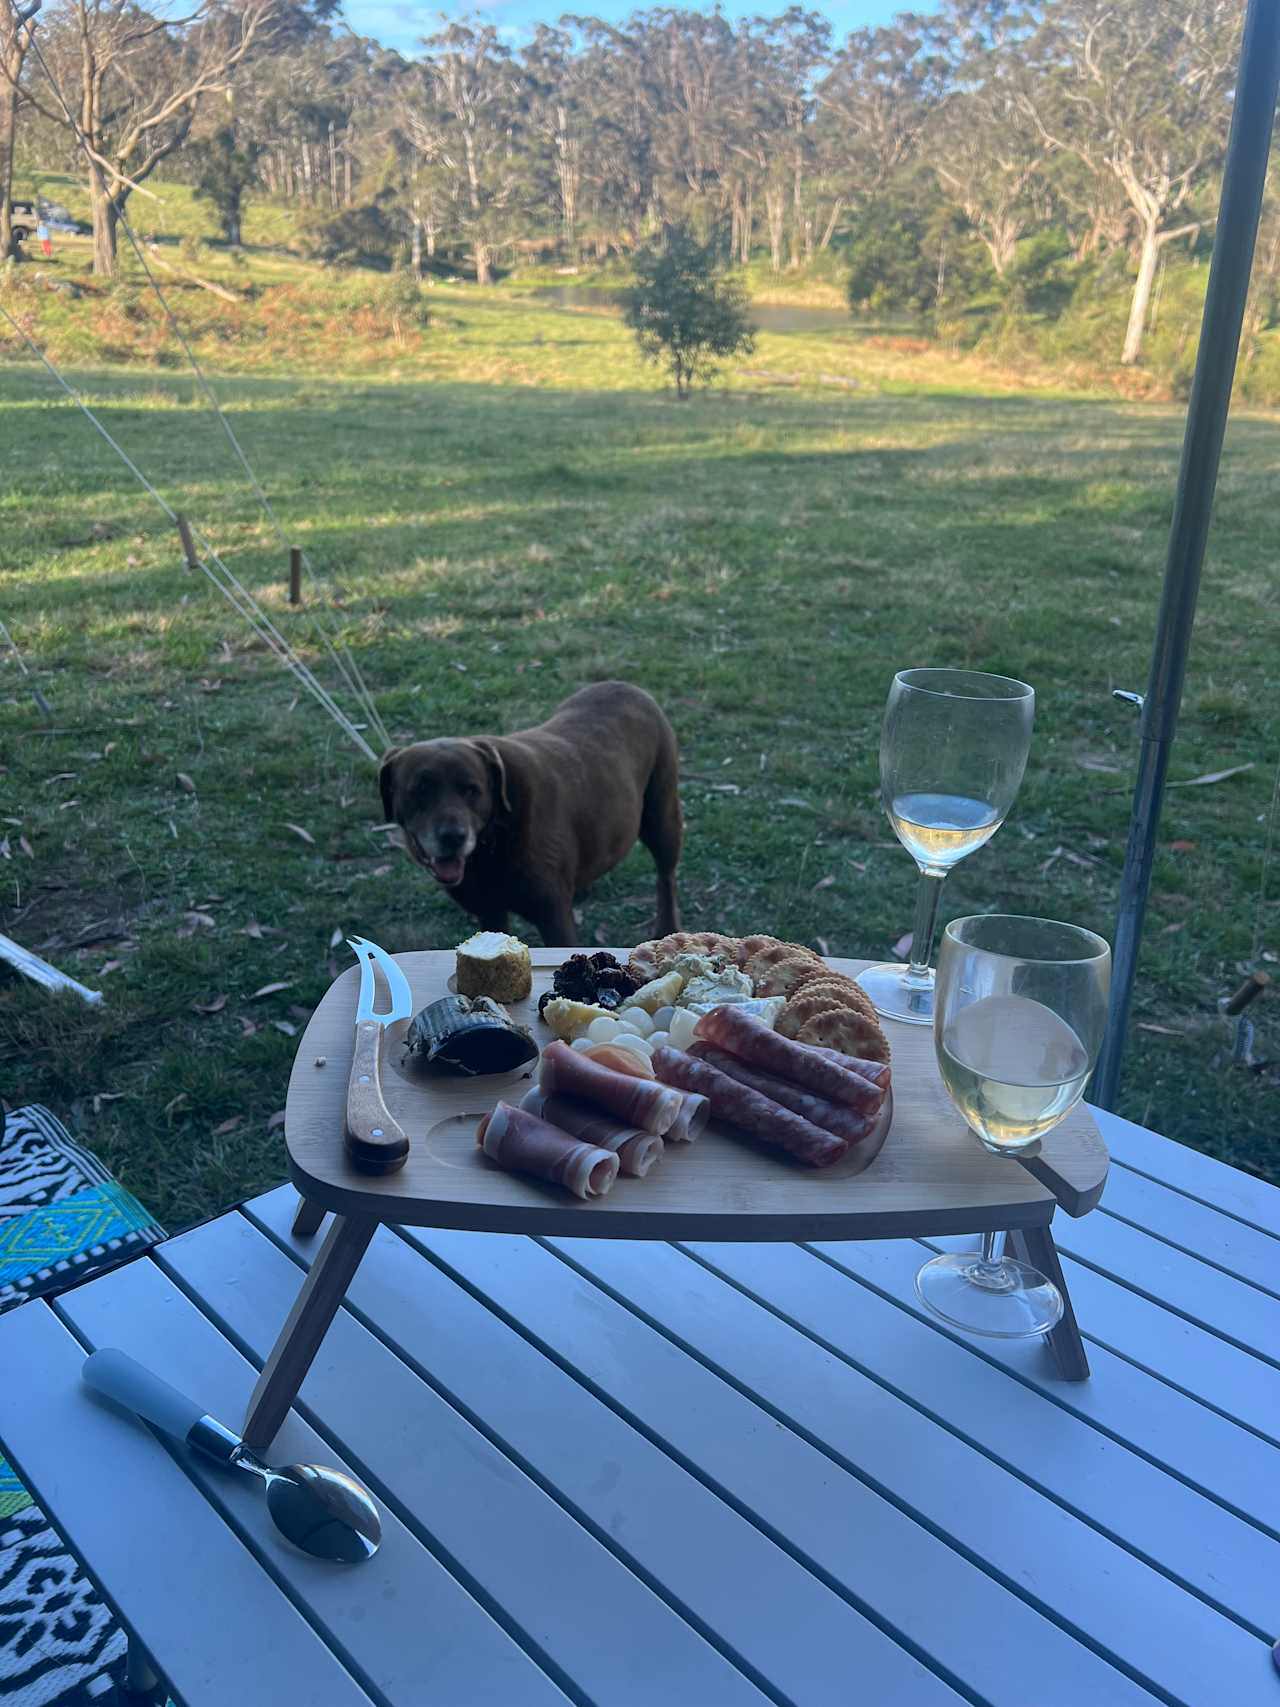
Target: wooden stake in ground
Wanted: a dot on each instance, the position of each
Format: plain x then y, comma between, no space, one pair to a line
295,575
188,544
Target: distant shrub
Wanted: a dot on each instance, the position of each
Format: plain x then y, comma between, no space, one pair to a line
684,311
400,299
351,234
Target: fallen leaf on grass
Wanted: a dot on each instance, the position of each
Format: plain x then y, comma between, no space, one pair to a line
254,930
227,1126
824,883
795,800
214,1007
109,749
247,1026
272,989
4,849
902,948
1181,847
277,1119
1210,776
185,783
600,936
381,870
304,834
822,946
110,966
62,776
335,938
1164,1030
295,1010
106,1096
725,788
205,921
25,845
174,1104
1169,929
285,1026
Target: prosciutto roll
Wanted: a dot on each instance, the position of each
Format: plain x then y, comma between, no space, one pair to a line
834,1117
518,1139
879,1072
695,1111
767,1051
738,1105
636,1151
642,1103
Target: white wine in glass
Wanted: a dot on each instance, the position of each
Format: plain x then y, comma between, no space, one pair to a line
953,747
1020,1007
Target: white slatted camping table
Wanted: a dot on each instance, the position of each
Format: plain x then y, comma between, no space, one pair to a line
622,1474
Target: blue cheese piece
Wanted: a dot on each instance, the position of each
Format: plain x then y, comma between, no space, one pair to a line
713,989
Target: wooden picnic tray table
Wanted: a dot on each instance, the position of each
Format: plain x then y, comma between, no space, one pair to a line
618,1472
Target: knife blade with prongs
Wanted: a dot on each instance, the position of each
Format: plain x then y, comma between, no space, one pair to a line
375,1141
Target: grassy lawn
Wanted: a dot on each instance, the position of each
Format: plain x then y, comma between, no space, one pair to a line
510,506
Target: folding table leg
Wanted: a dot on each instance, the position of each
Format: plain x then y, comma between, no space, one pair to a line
139,1676
1035,1245
307,1323
307,1218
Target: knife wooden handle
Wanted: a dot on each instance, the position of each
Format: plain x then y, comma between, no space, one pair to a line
375,1142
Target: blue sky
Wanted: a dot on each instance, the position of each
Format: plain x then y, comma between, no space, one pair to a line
402,24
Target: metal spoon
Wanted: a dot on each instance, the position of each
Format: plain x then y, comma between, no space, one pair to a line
322,1511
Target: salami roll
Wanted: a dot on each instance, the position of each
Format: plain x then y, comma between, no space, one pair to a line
879,1072
642,1103
760,1047
738,1105
517,1139
636,1151
834,1117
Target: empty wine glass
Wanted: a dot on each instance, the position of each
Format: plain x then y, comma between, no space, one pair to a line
953,747
1020,1009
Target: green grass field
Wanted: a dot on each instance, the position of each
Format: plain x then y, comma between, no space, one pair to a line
509,506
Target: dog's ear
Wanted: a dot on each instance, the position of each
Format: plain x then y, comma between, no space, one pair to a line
497,771
387,783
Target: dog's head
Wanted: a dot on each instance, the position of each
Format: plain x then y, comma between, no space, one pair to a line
443,794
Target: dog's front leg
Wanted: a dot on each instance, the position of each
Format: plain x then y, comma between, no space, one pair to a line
553,915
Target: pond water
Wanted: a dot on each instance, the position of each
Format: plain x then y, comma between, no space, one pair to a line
765,316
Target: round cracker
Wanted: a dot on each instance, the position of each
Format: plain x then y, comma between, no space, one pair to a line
801,1009
849,1031
844,990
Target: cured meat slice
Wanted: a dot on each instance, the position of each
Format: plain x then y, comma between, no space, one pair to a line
636,1151
879,1072
759,1047
518,1139
695,1112
836,1117
642,1103
738,1105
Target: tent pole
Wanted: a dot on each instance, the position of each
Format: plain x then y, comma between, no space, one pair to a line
1242,183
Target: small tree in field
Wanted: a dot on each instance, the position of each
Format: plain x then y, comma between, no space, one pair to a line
682,309
225,169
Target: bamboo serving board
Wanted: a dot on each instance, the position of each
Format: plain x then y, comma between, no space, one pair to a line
930,1176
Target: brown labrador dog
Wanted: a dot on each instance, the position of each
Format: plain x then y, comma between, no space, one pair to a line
524,823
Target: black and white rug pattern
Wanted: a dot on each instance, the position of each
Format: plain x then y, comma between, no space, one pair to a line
59,1644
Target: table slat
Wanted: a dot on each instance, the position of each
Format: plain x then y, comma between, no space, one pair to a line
150,1538
1194,1227
943,1601
1061,1565
401,1620
1231,1564
1207,1450
566,1594
1231,1308
1178,1165
660,1517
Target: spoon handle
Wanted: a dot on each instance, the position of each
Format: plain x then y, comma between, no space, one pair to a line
115,1374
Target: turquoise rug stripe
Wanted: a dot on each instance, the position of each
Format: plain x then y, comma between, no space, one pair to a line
56,1231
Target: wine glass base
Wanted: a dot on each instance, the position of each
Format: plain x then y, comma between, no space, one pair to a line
1008,1301
894,997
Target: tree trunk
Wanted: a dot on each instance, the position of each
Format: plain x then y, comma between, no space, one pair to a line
484,274
775,209
1148,256
105,219
747,222
333,168
837,208
7,143
346,171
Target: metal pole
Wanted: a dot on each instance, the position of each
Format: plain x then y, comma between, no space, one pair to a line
1243,177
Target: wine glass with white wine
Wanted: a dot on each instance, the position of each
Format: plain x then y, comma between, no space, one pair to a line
953,747
1020,1006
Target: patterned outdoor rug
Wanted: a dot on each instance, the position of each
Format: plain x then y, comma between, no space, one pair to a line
62,1219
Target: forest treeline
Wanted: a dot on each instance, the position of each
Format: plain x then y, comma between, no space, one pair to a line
980,147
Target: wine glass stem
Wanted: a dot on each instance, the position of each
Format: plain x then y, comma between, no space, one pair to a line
928,895
992,1254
